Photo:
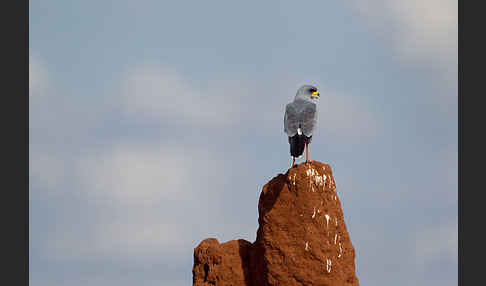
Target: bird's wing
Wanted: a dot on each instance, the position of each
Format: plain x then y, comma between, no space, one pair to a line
291,120
308,117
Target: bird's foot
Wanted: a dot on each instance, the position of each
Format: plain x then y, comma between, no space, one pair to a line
293,163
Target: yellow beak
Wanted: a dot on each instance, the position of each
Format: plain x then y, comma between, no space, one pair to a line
315,94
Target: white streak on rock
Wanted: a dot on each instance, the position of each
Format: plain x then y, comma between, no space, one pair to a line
327,219
314,214
328,265
306,246
318,180
310,172
335,238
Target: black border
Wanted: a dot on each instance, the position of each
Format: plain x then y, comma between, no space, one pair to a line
471,122
15,132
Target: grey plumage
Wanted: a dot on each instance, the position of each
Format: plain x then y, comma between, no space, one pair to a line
301,113
300,119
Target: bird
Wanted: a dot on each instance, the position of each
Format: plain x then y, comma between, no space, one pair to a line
300,120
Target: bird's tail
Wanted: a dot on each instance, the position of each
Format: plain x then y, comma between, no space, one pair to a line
297,144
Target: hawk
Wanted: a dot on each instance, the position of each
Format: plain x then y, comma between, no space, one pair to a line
300,121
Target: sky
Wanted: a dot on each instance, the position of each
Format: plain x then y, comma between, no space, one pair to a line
155,124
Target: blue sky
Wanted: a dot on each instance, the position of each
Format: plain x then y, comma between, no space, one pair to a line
155,124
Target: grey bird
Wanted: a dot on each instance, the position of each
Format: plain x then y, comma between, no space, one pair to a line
300,120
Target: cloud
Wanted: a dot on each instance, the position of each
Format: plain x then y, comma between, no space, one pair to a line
420,31
429,28
141,174
38,76
153,92
142,201
133,174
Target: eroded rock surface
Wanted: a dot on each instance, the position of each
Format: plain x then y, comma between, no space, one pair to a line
301,240
221,264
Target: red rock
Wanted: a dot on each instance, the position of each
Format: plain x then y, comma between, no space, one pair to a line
301,240
221,264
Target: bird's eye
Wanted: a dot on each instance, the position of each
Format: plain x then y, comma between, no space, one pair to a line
313,90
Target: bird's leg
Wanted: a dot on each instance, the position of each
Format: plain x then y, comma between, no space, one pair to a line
293,161
306,152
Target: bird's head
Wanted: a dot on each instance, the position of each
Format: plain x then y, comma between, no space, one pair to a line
308,93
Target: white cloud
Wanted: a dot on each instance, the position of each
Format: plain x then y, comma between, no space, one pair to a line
38,76
420,30
142,186
141,174
152,92
139,237
435,244
429,27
